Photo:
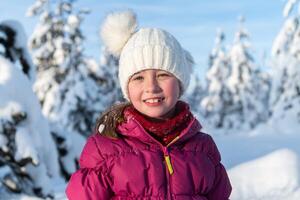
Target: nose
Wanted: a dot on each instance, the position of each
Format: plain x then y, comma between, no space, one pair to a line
151,85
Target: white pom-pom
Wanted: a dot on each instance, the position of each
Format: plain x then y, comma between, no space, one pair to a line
117,29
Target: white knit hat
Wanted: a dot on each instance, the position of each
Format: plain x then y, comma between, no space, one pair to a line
146,48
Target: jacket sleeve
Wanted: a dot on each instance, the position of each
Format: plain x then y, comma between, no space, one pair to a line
221,189
90,181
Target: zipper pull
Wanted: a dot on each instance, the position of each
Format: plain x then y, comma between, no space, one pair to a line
168,161
169,164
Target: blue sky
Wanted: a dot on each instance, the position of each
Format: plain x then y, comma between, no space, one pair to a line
192,22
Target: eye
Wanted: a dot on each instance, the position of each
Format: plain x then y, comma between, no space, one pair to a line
137,78
163,75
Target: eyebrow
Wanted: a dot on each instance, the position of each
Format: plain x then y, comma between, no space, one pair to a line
138,73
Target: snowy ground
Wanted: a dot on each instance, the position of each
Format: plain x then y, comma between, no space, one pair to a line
261,166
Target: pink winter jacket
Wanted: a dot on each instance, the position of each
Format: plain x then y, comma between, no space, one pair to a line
137,167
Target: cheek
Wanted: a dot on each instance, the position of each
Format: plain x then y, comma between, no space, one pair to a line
174,88
133,92
171,89
129,91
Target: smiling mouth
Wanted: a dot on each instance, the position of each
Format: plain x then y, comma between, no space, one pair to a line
154,100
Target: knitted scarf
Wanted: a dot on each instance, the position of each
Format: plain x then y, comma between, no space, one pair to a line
164,130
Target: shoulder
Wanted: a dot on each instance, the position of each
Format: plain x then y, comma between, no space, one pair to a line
90,155
207,145
98,149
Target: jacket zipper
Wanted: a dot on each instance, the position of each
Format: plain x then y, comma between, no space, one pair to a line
168,172
169,166
167,156
169,169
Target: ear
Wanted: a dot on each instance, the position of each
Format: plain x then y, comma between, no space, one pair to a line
180,88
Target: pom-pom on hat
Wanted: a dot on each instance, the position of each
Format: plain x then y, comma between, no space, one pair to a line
144,48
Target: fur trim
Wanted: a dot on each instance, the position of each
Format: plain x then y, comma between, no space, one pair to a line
117,29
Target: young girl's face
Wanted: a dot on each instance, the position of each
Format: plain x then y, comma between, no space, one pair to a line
154,93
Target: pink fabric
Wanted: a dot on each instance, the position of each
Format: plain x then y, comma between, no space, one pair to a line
133,167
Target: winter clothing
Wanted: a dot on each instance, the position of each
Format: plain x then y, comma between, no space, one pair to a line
146,48
164,130
138,167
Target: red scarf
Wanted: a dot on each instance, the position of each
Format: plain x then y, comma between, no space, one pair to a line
164,130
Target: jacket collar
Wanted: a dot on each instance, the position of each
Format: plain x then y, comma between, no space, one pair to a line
132,128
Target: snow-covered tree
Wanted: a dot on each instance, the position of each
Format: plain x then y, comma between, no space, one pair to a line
110,65
247,84
72,88
62,67
285,98
194,94
215,104
28,156
13,46
237,91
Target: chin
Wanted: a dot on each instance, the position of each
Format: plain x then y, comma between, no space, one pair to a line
157,115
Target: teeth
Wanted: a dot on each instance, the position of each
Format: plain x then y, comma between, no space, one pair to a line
153,100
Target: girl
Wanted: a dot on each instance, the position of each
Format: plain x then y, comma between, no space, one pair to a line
151,148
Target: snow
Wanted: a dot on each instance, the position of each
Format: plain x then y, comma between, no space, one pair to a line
35,8
237,92
263,163
19,46
94,67
21,37
288,7
283,39
73,22
75,143
25,146
3,143
33,139
273,176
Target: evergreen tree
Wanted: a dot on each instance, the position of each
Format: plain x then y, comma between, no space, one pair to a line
72,88
28,156
110,65
248,88
194,96
285,99
216,103
13,43
62,68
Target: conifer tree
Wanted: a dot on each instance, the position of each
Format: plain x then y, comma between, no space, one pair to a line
73,88
216,102
248,88
28,156
285,98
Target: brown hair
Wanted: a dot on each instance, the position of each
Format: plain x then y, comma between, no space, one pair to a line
110,119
